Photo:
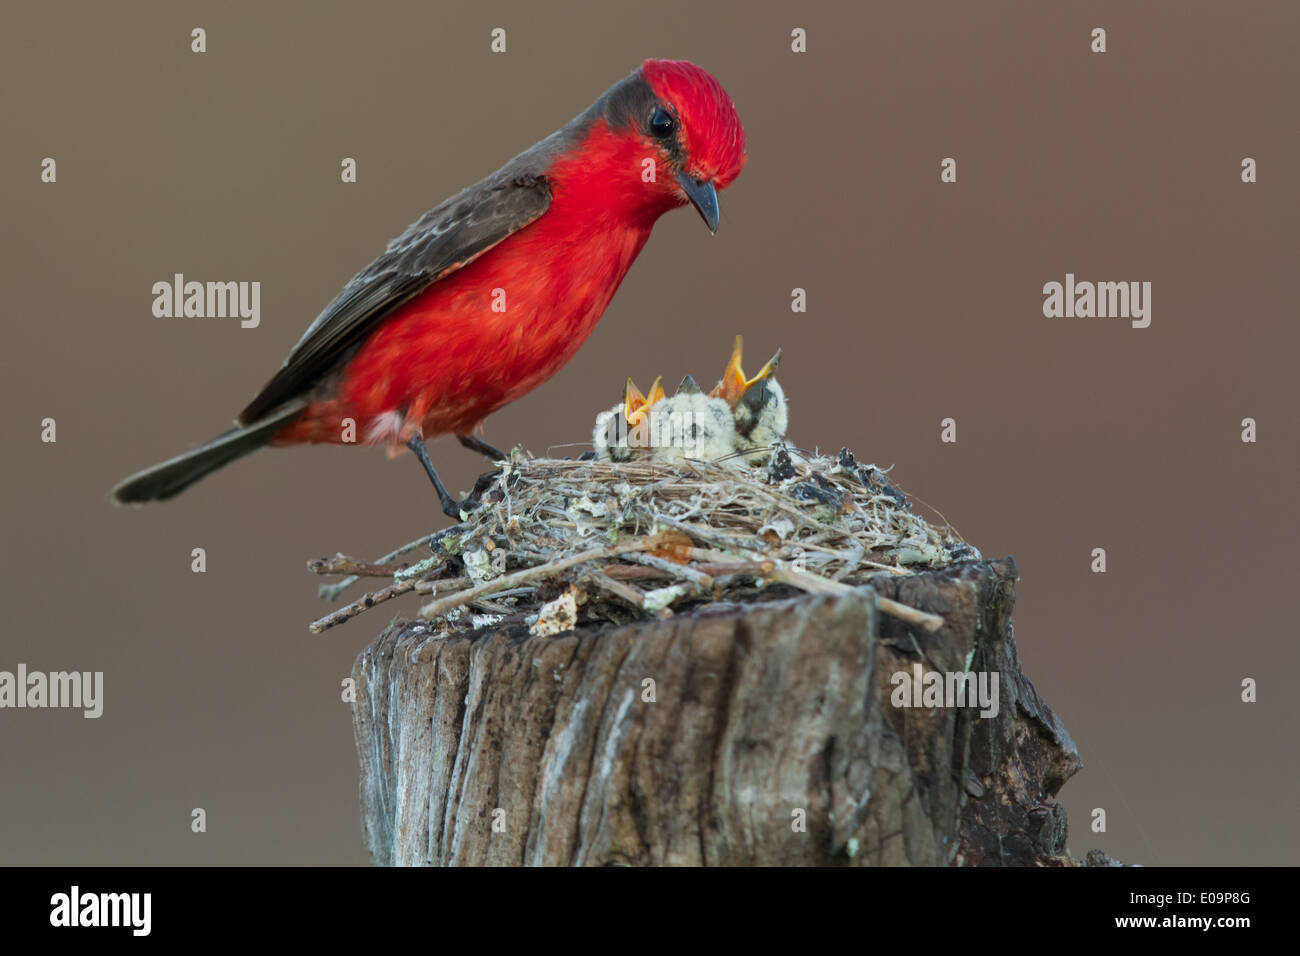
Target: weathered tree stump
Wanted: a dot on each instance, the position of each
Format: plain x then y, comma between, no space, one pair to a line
707,738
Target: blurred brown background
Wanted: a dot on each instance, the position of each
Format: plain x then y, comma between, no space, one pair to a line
924,302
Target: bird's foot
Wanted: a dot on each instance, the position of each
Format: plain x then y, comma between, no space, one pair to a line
450,506
475,498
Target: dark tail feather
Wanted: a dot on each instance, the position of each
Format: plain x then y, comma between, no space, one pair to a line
175,475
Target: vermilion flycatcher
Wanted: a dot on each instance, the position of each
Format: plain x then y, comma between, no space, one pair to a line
485,296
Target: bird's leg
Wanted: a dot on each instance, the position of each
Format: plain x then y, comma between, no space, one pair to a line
482,447
450,506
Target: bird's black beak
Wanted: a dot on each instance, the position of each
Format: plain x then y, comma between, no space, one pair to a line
703,196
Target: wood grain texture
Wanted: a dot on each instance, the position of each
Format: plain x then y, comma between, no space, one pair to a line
761,714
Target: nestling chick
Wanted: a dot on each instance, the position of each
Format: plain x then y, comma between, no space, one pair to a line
758,404
762,416
694,425
615,436
690,424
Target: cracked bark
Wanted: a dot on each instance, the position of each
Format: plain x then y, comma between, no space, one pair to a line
502,749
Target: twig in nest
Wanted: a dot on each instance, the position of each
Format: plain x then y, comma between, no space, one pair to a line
443,605
342,564
715,569
808,582
815,585
931,622
420,569
446,584
331,592
711,535
703,583
632,572
629,594
361,605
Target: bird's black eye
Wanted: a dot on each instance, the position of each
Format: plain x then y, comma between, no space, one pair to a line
661,124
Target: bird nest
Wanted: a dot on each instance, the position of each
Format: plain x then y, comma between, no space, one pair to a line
556,544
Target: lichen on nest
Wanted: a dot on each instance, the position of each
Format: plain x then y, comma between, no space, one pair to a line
554,544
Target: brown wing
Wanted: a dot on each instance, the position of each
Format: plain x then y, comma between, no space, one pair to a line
441,241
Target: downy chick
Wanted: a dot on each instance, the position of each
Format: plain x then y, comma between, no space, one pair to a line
655,427
758,404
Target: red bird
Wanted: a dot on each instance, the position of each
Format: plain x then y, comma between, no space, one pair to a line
487,295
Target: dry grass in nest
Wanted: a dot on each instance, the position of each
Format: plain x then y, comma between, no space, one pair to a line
561,543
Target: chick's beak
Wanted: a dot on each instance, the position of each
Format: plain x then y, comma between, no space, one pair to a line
637,406
703,196
734,383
